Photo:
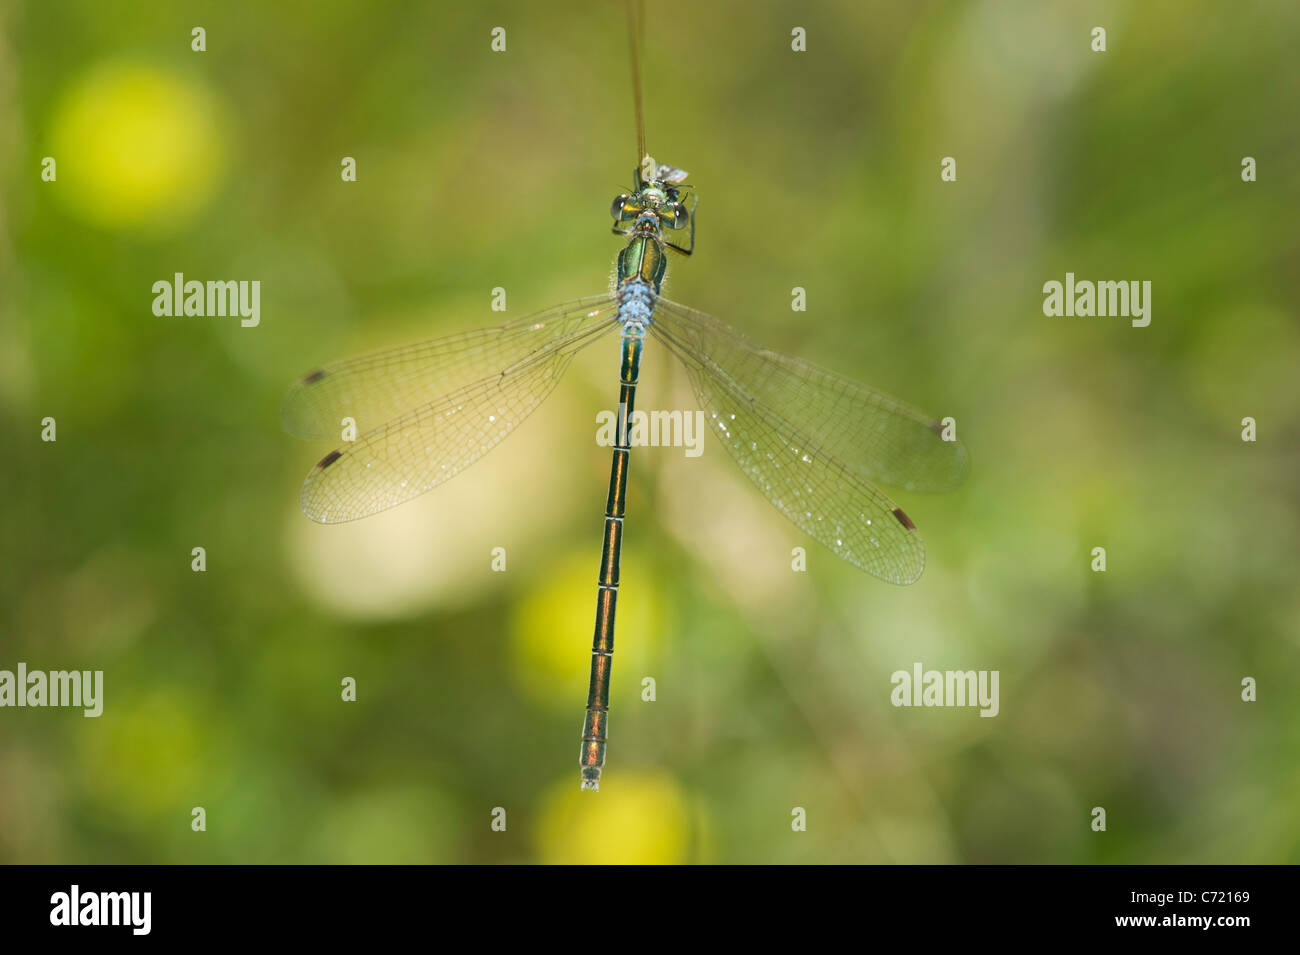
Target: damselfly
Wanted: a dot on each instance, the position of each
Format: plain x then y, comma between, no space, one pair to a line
814,443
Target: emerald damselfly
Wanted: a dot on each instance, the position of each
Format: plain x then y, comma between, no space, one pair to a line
816,444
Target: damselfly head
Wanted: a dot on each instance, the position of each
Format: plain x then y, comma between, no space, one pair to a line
650,204
658,194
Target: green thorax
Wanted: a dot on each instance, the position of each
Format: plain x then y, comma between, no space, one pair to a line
643,258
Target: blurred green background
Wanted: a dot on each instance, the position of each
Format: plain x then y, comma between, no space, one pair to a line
820,170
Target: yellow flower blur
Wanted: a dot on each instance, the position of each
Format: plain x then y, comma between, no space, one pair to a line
551,634
637,818
137,147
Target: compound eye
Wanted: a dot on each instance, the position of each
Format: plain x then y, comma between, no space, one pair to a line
619,209
678,217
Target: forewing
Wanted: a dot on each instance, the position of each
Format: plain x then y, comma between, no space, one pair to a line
867,432
787,458
377,388
432,443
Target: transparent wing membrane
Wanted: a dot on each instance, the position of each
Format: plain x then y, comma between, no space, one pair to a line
438,424
812,442
374,389
869,433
